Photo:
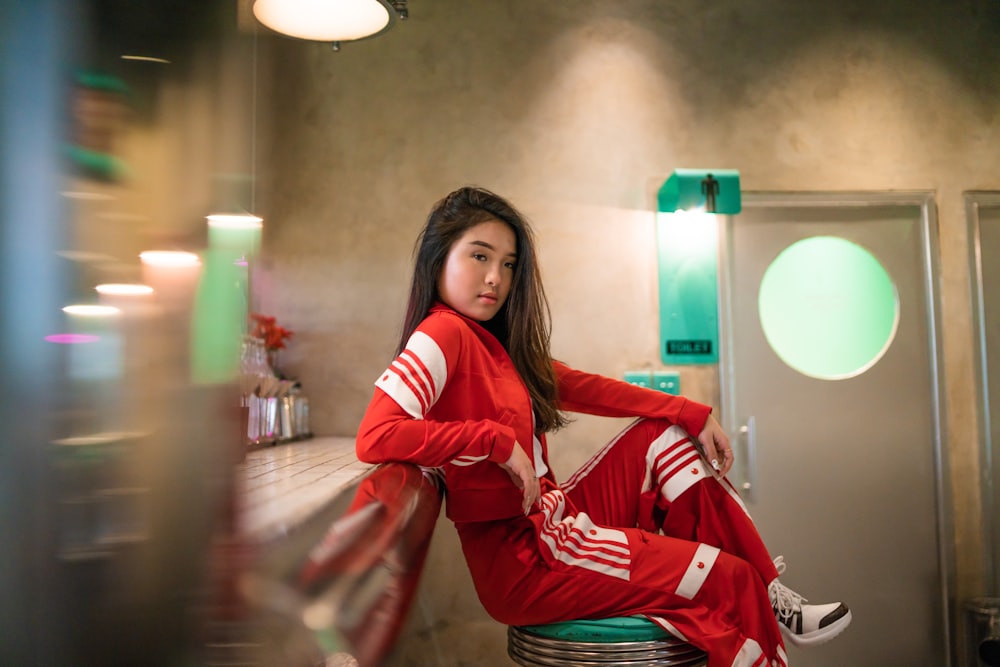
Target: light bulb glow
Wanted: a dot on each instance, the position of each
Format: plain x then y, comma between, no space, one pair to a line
72,338
692,232
87,310
323,20
169,258
122,289
234,221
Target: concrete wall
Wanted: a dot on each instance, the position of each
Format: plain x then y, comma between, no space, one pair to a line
577,111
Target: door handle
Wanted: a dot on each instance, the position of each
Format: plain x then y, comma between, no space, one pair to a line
748,434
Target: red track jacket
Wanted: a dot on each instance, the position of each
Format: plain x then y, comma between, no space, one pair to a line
453,399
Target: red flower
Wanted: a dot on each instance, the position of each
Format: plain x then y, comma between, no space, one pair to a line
266,328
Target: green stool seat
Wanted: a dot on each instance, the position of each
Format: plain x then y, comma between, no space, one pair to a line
623,640
603,630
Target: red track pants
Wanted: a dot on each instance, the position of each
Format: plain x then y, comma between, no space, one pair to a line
595,550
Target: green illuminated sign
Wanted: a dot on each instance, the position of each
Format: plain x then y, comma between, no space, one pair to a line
687,245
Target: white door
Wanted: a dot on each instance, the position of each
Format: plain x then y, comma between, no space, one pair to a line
830,372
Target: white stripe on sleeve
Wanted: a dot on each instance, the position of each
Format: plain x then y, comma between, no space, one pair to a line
416,377
468,460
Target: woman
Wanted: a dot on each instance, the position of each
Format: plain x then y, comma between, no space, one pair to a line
647,526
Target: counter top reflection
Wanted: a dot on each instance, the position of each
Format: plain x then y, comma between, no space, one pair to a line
286,484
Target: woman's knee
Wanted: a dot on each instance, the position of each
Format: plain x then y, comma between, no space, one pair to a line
739,574
652,429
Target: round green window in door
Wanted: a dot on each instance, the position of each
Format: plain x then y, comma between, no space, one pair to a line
828,308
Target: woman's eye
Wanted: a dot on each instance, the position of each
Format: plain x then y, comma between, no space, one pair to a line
479,256
509,265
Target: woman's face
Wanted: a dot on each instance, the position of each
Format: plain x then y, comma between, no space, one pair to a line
477,274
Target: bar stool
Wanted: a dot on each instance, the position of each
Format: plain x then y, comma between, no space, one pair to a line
625,640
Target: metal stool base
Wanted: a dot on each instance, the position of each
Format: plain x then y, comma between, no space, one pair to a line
532,650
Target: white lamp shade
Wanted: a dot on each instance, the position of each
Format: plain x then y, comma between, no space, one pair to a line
323,20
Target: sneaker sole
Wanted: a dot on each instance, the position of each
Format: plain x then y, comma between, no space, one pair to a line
818,636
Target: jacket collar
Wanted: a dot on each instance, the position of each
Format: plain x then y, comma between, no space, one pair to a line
481,331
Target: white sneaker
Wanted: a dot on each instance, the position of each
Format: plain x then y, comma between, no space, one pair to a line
805,624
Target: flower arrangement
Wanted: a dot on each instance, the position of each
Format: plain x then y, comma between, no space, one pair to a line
267,329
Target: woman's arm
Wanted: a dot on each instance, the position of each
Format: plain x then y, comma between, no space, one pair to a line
399,425
599,395
594,394
389,433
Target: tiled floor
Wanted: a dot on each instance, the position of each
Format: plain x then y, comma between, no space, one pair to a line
285,484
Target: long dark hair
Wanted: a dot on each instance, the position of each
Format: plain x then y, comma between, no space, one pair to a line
523,324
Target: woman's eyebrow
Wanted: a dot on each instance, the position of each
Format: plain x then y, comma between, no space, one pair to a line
490,247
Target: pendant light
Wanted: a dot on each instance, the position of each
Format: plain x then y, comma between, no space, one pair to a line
328,20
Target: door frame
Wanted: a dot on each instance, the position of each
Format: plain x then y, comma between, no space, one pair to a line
989,465
925,201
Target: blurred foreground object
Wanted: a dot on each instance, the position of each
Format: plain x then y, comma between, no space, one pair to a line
337,589
115,470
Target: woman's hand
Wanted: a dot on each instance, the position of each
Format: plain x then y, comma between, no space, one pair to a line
522,471
718,451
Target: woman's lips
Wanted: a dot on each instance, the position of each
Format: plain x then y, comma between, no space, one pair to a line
489,298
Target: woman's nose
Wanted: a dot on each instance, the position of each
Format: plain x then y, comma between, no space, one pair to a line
493,276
